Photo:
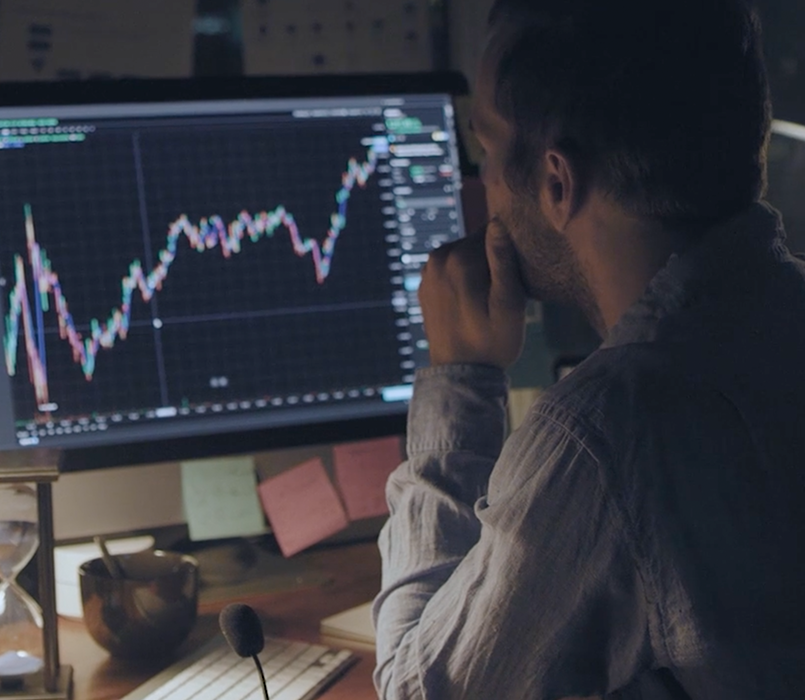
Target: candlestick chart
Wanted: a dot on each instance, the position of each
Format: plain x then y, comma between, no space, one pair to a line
37,292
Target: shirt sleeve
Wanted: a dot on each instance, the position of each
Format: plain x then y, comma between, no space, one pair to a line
509,576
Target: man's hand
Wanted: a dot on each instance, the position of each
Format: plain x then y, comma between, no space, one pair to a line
473,301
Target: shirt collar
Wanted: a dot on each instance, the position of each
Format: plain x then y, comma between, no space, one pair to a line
728,253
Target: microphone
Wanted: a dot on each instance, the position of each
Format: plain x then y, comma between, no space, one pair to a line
243,632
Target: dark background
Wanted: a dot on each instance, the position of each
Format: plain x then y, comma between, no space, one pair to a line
457,30
218,46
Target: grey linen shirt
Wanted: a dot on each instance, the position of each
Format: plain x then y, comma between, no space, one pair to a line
640,535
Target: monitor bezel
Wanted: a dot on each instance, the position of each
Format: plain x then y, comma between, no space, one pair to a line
125,91
37,94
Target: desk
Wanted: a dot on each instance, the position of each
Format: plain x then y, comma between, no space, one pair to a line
353,577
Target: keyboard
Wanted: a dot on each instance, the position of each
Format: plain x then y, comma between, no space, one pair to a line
293,670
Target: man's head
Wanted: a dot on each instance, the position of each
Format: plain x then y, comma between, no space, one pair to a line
661,106
664,104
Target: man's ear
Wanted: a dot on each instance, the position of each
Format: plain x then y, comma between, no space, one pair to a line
560,189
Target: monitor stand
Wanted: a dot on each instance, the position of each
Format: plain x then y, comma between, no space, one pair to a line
244,567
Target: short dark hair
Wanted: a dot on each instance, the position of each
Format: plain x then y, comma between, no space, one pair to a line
663,103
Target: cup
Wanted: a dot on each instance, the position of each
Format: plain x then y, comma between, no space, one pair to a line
149,611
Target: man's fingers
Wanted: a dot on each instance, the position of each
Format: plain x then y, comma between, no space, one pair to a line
507,291
462,261
472,301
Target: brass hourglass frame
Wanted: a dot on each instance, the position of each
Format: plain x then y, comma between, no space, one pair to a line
39,467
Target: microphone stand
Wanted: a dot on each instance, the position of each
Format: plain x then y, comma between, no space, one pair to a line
262,676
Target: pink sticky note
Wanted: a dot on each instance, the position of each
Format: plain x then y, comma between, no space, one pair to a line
302,506
361,470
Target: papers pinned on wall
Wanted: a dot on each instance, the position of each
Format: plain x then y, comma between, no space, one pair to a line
335,36
302,506
361,471
220,499
79,39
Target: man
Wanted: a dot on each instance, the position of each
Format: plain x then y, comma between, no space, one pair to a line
638,536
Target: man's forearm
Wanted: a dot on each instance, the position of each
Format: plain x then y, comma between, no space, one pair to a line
456,430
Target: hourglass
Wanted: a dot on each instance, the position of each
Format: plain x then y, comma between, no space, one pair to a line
29,647
21,647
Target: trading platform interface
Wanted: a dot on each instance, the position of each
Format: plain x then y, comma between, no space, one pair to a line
171,269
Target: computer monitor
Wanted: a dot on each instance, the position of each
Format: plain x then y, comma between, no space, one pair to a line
787,179
207,267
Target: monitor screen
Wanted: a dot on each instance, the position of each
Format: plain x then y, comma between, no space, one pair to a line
181,263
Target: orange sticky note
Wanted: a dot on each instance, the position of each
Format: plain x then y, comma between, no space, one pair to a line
302,506
361,470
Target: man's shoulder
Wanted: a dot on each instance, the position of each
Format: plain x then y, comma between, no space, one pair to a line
619,383
625,400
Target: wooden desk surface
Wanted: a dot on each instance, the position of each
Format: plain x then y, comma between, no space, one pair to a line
352,576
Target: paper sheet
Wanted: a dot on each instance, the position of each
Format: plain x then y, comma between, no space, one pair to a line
220,498
302,506
354,625
361,470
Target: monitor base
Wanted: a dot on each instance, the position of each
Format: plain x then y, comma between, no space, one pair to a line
241,568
